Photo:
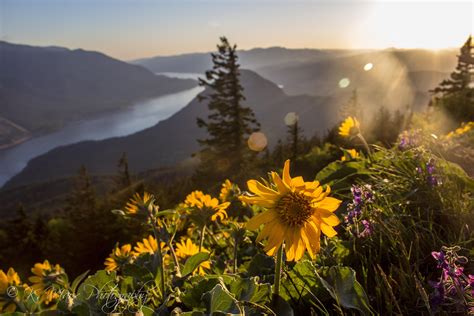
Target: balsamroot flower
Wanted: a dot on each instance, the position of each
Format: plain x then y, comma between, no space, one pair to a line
141,205
7,281
226,191
205,207
350,127
45,279
186,248
119,257
352,154
461,130
296,214
148,245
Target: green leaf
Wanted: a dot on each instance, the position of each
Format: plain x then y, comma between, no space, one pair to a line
78,280
339,175
261,265
195,287
281,307
249,290
341,283
193,262
137,272
219,299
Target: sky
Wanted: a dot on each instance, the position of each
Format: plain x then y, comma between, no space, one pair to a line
131,29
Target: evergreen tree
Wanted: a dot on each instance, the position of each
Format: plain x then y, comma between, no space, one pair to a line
82,198
456,94
352,108
461,78
229,123
123,179
295,138
278,154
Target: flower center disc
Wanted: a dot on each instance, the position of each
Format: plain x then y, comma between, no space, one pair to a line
294,209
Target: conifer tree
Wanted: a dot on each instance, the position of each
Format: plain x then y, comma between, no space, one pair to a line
229,123
461,78
123,179
295,138
352,108
82,197
456,94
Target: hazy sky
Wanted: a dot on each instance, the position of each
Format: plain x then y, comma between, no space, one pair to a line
129,29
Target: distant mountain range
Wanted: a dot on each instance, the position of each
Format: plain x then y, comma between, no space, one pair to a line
304,81
42,88
175,139
407,74
251,59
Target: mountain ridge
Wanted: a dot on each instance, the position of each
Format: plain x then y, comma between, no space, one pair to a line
175,139
57,85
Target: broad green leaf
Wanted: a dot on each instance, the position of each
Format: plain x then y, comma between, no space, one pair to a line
219,299
341,283
193,262
78,280
137,272
281,307
261,265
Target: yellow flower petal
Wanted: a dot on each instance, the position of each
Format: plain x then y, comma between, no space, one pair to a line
259,189
329,203
328,230
260,219
327,217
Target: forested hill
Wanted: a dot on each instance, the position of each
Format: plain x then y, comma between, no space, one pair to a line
174,140
55,85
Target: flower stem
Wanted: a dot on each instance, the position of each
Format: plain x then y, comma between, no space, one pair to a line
278,263
159,256
236,245
201,242
366,145
175,259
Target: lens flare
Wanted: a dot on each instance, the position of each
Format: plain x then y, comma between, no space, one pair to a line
291,118
344,83
368,66
257,141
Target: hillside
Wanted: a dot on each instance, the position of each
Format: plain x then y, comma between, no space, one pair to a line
174,140
11,134
407,73
55,85
250,59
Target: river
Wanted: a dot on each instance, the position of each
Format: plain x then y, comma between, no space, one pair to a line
137,117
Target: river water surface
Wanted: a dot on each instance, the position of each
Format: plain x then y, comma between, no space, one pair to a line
137,117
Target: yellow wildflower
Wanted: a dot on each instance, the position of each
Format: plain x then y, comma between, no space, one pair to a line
119,257
352,153
350,127
7,281
186,248
296,214
461,130
226,191
206,207
140,204
45,277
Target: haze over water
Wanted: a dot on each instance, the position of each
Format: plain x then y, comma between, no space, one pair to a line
137,117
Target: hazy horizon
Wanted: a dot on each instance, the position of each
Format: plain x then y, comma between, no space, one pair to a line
130,30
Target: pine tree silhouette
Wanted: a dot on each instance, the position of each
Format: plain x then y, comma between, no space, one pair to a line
229,123
455,95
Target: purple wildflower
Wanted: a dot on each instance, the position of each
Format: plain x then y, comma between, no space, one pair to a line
430,166
440,258
438,297
368,229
